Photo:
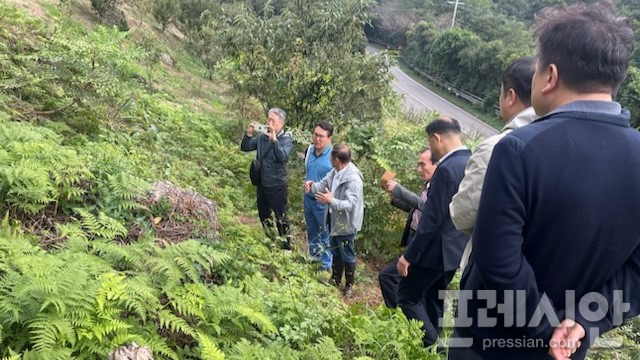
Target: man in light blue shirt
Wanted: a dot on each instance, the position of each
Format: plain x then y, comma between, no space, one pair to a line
318,164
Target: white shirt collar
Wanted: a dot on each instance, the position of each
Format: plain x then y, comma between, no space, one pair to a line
462,147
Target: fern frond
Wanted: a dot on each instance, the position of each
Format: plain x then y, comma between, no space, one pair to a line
169,321
48,331
208,348
159,346
110,327
256,318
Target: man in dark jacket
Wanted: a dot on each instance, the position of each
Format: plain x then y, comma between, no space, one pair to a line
412,203
557,234
273,148
431,259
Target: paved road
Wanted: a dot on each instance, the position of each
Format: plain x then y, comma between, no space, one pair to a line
419,98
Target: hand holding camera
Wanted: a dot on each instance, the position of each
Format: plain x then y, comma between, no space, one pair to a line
262,128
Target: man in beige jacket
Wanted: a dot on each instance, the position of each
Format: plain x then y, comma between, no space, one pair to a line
516,110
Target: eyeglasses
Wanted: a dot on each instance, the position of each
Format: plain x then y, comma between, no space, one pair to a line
319,136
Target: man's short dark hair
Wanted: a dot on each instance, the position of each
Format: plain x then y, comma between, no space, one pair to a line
325,126
444,125
517,76
432,158
342,153
589,44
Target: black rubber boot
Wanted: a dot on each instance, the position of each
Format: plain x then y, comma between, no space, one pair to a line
283,231
286,243
268,227
349,274
337,268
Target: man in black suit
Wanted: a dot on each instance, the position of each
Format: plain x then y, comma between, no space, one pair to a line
431,259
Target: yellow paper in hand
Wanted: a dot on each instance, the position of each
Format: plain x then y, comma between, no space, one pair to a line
388,175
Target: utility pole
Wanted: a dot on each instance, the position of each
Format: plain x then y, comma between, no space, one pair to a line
455,11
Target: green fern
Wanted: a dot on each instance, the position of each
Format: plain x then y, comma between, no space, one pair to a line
102,226
325,349
208,348
36,170
168,320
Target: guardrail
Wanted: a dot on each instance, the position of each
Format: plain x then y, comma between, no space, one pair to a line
471,98
475,100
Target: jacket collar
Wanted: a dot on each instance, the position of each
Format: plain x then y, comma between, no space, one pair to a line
524,117
349,173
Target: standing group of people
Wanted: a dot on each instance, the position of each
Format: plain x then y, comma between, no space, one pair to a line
542,218
549,205
333,194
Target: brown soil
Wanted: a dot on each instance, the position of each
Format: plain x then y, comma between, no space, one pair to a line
366,290
31,7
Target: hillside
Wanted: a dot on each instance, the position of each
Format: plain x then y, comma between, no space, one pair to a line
90,118
128,215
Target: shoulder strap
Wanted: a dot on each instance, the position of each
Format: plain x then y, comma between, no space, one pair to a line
306,158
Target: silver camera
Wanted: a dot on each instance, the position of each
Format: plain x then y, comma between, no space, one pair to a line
261,128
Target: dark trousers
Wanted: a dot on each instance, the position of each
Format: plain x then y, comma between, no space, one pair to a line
418,298
343,248
463,354
389,279
273,200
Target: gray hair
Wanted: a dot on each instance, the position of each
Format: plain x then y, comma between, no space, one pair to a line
276,110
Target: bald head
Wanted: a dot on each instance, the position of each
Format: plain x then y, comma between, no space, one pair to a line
341,153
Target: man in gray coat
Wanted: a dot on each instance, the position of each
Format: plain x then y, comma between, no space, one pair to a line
342,191
516,111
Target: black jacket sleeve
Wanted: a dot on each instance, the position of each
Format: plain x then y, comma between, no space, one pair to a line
282,147
249,143
434,213
622,299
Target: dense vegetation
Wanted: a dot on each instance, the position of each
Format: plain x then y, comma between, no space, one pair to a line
100,99
488,34
88,119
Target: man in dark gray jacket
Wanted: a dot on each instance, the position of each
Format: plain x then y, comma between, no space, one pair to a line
406,200
273,148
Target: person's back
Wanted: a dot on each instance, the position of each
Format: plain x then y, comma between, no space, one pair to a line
580,220
557,221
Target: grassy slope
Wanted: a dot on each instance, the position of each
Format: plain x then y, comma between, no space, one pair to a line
141,120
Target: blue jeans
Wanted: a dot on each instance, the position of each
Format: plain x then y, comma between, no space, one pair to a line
317,232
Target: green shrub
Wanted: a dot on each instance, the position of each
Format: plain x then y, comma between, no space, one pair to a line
103,7
165,12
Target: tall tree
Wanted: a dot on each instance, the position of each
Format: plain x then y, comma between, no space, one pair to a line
307,58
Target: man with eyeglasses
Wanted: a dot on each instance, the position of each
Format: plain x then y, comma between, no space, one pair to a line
318,164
